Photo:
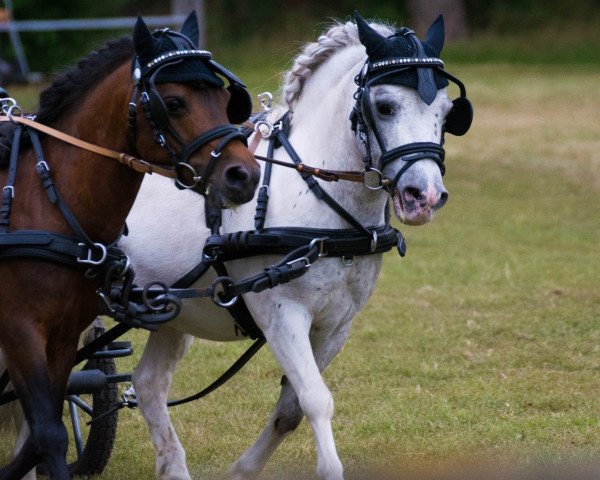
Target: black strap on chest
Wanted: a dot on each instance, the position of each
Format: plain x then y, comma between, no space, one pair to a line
105,262
75,251
301,246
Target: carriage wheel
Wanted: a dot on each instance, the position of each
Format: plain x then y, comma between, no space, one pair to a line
93,444
90,446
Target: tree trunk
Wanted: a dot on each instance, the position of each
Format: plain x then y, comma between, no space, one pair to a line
423,12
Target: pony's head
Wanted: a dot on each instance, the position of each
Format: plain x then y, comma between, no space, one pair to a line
190,112
401,113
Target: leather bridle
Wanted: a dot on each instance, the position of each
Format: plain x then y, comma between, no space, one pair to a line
156,115
362,118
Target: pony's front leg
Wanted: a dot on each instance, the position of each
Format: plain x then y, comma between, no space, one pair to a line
287,414
152,381
42,401
288,337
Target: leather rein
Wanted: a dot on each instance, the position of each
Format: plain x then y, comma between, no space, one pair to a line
137,164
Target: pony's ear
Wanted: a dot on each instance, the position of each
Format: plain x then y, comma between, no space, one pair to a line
190,28
435,35
144,43
372,41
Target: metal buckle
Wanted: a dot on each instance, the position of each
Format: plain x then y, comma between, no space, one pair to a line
42,165
374,242
10,189
291,263
90,254
321,242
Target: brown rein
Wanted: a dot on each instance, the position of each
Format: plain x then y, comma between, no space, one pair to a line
323,174
137,164
327,175
142,166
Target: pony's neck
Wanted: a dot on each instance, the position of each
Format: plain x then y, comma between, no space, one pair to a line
322,132
105,190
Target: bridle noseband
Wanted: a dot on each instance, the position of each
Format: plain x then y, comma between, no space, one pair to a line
458,120
156,115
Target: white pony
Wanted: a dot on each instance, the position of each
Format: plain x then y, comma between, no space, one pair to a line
397,116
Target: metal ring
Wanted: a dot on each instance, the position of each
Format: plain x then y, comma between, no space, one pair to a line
380,177
151,303
11,112
261,123
224,282
7,103
195,177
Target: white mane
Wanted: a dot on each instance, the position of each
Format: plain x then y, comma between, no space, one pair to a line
314,54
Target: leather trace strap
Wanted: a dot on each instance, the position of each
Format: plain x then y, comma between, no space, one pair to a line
137,164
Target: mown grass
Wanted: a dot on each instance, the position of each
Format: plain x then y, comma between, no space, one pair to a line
482,345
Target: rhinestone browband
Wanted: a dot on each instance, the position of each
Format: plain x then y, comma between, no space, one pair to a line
177,54
408,62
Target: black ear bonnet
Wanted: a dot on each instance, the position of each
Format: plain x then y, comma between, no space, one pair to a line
402,59
170,56
166,56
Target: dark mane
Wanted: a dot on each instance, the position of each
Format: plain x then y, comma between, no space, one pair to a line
70,86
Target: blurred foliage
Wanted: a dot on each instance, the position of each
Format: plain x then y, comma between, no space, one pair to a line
239,26
519,16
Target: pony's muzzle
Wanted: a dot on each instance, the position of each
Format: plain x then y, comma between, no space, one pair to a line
240,182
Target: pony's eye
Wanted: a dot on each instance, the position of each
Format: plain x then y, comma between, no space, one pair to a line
174,104
385,108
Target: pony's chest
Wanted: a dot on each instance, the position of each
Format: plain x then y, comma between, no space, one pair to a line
344,284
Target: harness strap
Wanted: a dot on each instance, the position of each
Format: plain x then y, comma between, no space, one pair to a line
58,248
230,372
323,174
137,164
227,375
8,193
244,321
316,188
262,200
46,177
282,240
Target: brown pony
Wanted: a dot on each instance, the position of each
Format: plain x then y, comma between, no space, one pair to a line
183,128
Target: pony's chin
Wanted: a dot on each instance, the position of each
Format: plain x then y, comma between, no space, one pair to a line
410,214
222,202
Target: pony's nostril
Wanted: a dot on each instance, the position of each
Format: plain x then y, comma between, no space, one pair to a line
412,194
442,201
237,176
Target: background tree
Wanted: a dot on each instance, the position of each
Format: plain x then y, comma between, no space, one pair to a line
423,12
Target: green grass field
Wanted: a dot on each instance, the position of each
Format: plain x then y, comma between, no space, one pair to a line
482,345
